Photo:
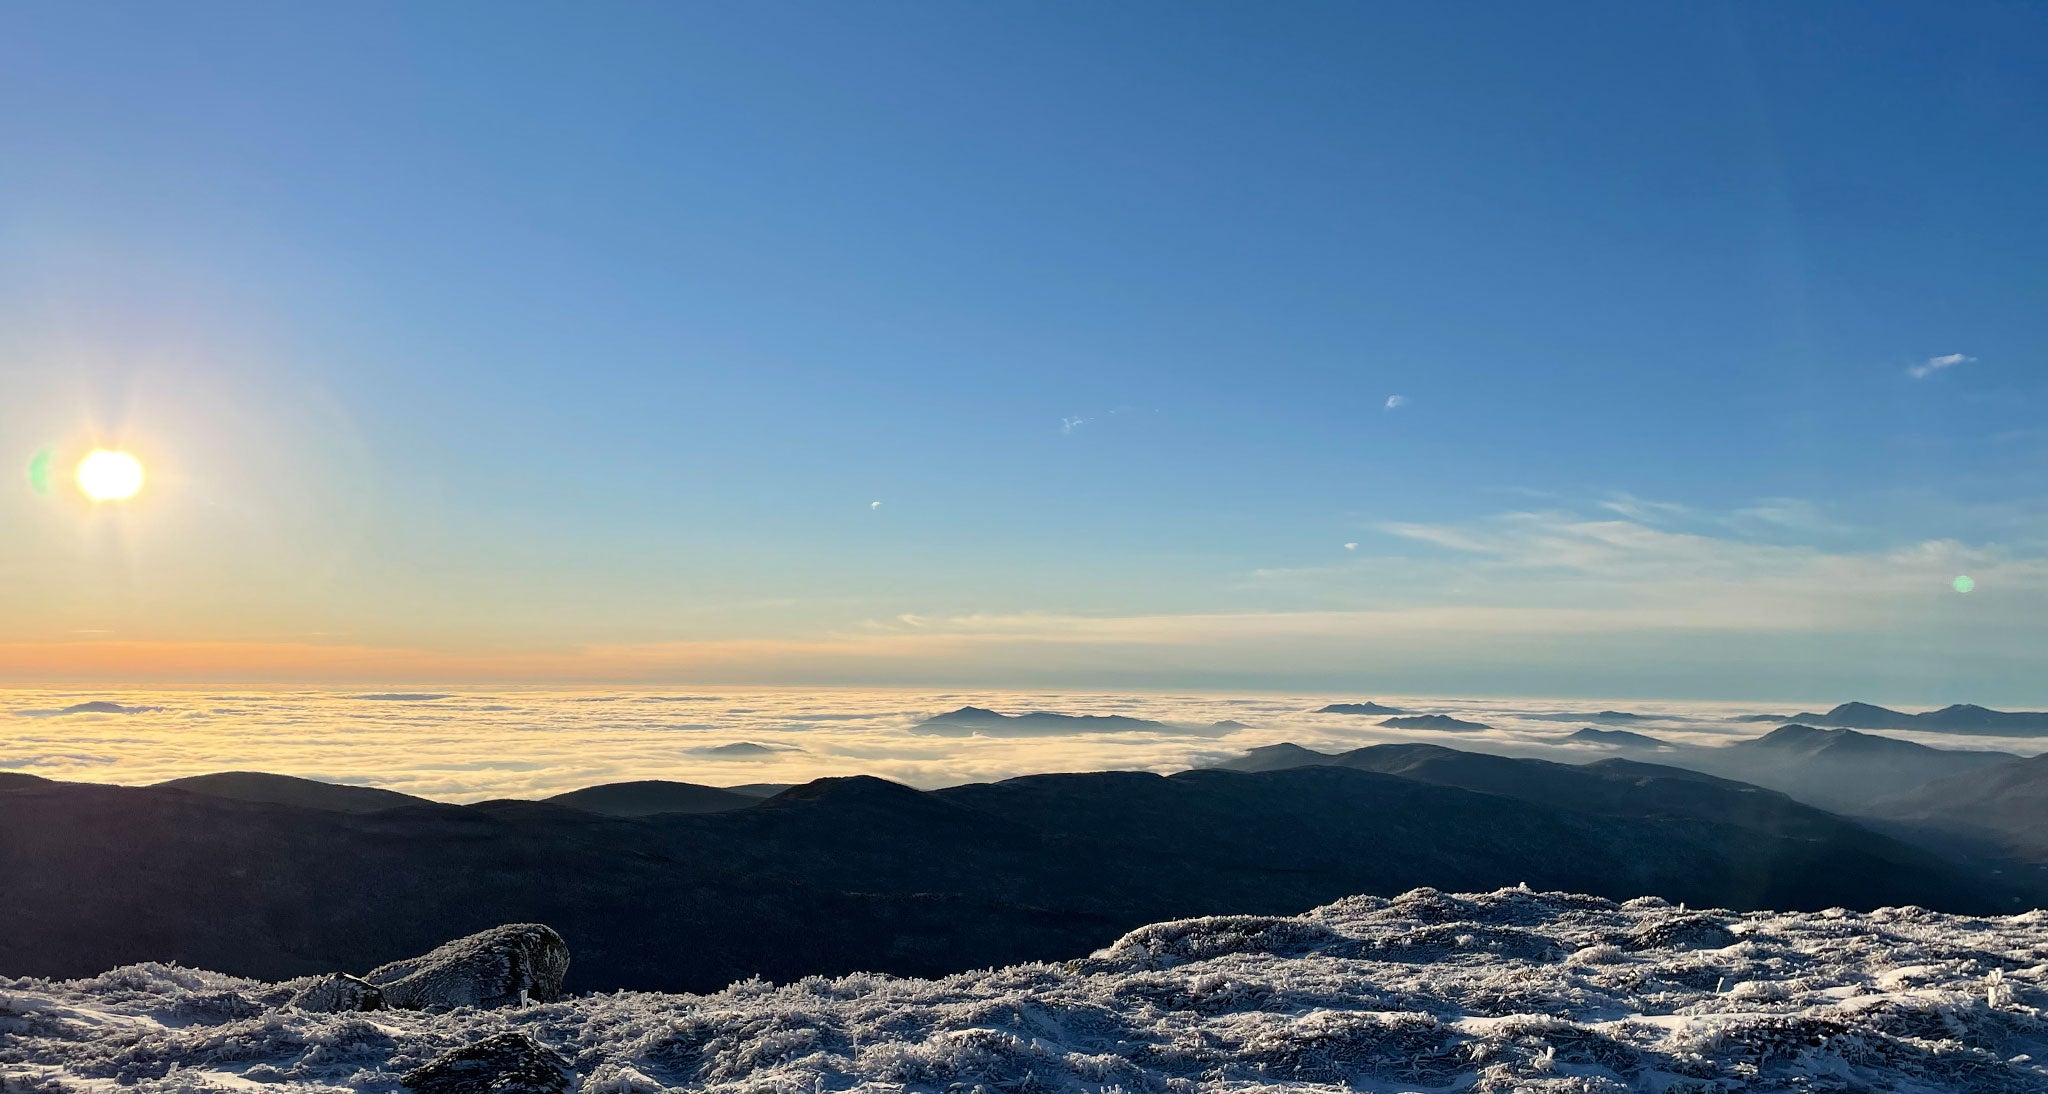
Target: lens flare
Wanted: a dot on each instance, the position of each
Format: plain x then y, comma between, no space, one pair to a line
1964,583
39,471
107,475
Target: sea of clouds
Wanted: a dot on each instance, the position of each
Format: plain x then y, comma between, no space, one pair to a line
472,744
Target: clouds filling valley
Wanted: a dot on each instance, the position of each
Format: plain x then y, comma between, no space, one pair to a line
511,742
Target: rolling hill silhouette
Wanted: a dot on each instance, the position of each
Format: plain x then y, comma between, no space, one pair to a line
648,797
259,786
846,874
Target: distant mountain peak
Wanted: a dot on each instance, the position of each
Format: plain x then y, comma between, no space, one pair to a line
971,720
95,706
1443,722
1284,748
1286,754
1623,737
968,712
1799,731
1798,735
849,788
1367,707
742,749
1853,709
1840,741
1954,718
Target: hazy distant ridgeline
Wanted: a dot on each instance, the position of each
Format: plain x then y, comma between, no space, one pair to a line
1959,718
1990,807
1994,811
1839,769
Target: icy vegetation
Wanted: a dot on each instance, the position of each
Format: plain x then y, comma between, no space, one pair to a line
1512,990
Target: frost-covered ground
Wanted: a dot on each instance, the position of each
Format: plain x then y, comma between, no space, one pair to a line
1506,991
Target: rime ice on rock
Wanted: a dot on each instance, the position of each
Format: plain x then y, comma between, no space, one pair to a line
503,1063
1164,945
505,966
337,992
1682,932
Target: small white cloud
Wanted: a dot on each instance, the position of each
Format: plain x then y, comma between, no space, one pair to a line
1643,509
1935,364
1070,424
1351,546
1394,401
874,505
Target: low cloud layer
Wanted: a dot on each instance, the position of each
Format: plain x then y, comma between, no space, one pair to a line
525,742
90,707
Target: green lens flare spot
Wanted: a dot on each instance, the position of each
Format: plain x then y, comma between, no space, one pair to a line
1964,583
39,471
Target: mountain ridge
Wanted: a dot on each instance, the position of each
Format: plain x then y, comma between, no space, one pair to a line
1997,808
861,873
1443,723
1954,718
648,797
262,786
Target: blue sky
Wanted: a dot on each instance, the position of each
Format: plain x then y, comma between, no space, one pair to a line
579,343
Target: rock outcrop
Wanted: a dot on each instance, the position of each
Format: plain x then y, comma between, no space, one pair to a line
505,966
337,992
503,1063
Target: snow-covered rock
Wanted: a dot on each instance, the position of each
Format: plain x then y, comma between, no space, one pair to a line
1505,991
337,992
514,964
503,1063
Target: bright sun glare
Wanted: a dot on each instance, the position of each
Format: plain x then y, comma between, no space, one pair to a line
106,475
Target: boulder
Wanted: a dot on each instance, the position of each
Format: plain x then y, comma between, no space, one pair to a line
503,1063
504,966
213,1008
337,992
1682,932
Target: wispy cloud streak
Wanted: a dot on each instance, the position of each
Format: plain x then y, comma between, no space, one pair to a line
1933,365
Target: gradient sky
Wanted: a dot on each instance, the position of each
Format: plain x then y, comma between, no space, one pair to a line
1589,349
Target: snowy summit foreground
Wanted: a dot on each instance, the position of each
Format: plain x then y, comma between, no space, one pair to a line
1511,990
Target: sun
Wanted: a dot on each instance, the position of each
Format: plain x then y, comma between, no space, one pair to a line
107,475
